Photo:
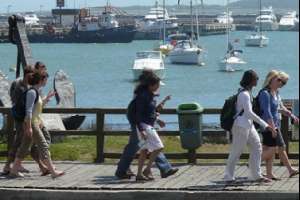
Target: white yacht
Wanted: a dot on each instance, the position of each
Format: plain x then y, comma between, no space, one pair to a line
186,52
31,19
171,42
289,21
156,18
267,20
149,60
225,18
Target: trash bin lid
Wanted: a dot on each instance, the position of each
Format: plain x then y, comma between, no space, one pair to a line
189,108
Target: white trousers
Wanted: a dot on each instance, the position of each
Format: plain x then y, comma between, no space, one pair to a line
241,138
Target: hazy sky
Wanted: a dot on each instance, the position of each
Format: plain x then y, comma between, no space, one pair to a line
35,5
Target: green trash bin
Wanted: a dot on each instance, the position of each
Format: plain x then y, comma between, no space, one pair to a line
190,125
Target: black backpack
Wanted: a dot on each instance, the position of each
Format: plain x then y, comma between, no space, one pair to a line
19,109
229,113
256,107
131,111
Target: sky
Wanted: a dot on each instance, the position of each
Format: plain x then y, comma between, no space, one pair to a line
37,5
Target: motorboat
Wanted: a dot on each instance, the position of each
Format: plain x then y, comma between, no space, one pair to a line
225,18
289,21
186,52
31,19
156,19
148,60
267,20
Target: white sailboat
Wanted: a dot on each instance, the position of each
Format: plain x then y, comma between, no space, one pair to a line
148,60
232,61
188,51
257,39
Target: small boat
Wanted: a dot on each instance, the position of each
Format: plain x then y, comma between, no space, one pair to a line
31,19
232,61
148,60
289,21
186,52
257,39
12,69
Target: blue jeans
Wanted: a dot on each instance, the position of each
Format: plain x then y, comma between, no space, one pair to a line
132,148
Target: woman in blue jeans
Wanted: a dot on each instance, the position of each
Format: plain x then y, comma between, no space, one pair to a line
123,170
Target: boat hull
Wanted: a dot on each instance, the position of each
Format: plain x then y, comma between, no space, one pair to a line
138,72
185,57
256,42
267,26
232,64
113,35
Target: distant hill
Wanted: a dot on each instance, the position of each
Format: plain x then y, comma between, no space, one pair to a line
277,4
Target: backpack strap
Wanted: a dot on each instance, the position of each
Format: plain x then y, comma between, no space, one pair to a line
242,111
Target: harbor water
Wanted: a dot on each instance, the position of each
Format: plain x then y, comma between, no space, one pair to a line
103,78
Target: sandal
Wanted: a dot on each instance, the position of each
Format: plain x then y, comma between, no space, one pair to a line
16,175
141,178
264,180
148,174
295,173
57,175
24,170
45,173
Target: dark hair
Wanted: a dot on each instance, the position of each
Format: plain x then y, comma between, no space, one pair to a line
27,70
248,78
35,78
146,79
39,65
45,75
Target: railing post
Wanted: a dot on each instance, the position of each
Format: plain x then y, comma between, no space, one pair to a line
100,137
9,131
192,157
285,132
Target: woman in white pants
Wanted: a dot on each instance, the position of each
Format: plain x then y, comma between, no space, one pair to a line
244,132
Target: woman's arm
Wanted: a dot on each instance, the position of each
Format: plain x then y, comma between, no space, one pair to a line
265,105
161,104
141,104
31,95
247,107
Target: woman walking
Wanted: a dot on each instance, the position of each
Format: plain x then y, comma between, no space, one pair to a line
32,129
270,104
244,132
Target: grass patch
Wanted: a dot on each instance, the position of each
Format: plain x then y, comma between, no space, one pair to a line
84,148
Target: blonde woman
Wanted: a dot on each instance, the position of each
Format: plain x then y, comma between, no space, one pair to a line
269,101
286,112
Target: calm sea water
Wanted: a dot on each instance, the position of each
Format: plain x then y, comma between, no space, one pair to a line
103,77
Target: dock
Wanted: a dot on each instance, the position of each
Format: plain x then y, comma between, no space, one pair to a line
97,181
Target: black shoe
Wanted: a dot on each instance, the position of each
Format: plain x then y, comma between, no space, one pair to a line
169,173
130,173
122,176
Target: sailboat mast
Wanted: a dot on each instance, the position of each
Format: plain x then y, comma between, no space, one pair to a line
197,19
164,22
228,25
192,20
260,25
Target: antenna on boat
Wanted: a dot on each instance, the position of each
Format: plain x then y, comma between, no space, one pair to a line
192,20
197,19
228,31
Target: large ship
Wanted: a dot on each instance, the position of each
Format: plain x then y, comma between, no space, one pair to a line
290,21
103,28
267,20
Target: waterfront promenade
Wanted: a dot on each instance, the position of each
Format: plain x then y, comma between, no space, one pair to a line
94,181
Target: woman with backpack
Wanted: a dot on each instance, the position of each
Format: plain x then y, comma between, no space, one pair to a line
270,104
244,132
32,128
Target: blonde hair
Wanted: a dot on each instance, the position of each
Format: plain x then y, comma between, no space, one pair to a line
271,75
284,76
